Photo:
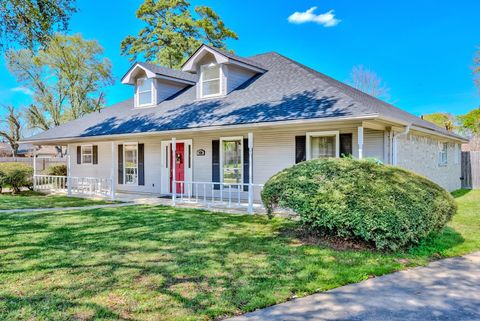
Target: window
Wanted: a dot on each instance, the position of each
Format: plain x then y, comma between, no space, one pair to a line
144,92
323,145
210,83
232,160
130,170
87,154
442,155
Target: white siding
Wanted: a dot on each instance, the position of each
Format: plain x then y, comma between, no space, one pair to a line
373,145
236,77
166,89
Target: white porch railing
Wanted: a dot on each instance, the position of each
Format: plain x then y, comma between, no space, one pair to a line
210,194
92,186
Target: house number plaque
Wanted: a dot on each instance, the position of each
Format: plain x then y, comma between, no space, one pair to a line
200,152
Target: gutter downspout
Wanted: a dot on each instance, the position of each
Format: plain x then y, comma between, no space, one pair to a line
394,143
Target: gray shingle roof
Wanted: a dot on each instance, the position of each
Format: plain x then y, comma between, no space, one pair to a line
160,70
286,91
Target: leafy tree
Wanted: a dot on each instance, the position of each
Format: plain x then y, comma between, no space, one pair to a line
369,82
444,120
30,23
67,78
11,129
470,122
173,32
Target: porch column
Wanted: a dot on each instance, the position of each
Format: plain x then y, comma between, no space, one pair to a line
250,173
360,142
112,174
34,167
174,183
69,171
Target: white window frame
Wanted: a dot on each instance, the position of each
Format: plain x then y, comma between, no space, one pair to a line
220,81
138,92
441,161
82,153
222,139
332,133
125,162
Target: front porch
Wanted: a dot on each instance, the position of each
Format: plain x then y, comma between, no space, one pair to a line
202,195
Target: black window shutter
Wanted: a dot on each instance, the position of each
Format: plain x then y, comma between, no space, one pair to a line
300,149
246,164
141,164
79,154
216,163
346,142
95,154
120,164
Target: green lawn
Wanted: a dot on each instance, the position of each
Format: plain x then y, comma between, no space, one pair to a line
160,263
38,200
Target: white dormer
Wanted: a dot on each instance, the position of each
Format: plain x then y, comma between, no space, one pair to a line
219,72
153,84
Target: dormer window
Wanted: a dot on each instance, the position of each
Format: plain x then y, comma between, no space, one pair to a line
210,81
144,92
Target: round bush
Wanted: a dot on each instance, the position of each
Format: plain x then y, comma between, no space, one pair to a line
56,170
384,205
16,176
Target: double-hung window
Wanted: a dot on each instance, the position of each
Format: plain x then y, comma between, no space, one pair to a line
130,170
210,81
87,154
323,145
144,92
232,160
443,154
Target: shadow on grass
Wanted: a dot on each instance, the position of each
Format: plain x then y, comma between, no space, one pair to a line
164,263
460,192
437,243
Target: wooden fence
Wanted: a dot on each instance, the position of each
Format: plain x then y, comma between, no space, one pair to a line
42,163
471,170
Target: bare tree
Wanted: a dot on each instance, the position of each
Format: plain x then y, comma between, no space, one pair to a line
369,82
11,129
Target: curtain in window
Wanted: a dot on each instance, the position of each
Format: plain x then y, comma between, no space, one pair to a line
322,147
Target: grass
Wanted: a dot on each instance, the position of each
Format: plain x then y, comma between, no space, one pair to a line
30,199
163,263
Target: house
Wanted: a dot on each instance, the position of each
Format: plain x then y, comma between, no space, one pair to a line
26,150
223,124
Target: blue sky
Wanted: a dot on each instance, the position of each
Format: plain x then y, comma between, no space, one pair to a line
422,49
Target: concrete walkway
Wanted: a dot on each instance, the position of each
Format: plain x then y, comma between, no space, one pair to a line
444,290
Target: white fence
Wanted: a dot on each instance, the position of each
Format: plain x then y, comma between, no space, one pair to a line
90,186
211,194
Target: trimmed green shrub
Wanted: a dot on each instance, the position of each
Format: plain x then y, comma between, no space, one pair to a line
15,176
56,170
384,205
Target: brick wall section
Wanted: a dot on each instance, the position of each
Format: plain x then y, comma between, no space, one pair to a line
420,154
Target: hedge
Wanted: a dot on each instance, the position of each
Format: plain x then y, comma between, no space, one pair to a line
387,206
15,176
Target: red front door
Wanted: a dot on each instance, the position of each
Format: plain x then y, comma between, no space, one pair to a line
178,160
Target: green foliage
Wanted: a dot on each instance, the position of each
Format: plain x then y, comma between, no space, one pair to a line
15,176
173,32
67,79
443,120
30,23
56,170
471,121
385,205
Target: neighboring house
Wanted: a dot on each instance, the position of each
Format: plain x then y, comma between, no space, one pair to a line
26,150
233,120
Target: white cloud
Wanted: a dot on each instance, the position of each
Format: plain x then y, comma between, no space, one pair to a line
23,90
326,19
